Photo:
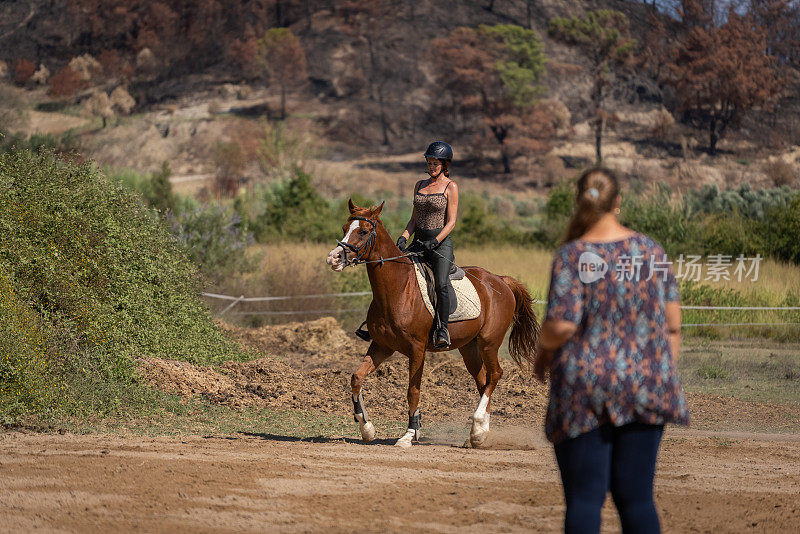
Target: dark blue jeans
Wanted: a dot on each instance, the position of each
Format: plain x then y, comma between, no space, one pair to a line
621,459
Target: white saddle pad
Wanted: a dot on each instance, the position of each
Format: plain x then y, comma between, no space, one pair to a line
469,303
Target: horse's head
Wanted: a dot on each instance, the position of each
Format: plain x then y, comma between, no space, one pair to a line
359,236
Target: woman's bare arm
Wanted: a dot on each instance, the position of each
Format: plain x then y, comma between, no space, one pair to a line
556,333
673,312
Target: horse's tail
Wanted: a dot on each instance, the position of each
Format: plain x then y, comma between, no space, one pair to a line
525,332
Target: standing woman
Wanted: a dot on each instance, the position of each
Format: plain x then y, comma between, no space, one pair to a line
610,341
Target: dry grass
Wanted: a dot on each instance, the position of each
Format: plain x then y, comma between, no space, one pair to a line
530,266
300,268
774,281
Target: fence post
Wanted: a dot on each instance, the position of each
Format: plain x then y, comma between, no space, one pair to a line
231,305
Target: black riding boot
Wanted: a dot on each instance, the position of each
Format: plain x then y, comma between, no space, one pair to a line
441,337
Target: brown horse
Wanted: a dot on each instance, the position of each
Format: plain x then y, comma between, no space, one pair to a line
398,321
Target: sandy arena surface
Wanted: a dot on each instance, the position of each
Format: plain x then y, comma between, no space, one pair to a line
98,483
710,478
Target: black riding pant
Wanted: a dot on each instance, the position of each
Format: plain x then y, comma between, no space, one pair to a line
441,260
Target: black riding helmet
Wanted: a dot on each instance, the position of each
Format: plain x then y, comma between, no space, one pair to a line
439,150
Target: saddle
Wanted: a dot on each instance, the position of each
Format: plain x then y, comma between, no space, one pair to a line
456,273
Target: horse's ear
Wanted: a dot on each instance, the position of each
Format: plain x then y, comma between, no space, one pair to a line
351,206
376,212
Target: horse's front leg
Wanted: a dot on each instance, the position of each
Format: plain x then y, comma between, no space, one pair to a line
415,365
375,356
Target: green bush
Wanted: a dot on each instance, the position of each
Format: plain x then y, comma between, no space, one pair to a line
215,239
782,231
103,275
560,200
37,142
161,196
24,382
154,188
726,233
661,218
741,221
744,200
294,210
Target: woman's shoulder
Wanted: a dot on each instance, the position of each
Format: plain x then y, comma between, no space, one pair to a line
568,252
649,243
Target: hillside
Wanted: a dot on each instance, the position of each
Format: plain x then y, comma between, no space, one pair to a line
370,79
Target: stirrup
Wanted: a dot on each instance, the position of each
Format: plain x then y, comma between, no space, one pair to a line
441,338
363,333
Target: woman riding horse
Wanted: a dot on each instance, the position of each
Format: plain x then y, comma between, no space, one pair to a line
432,220
399,321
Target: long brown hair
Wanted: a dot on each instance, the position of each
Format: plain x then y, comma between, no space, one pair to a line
445,167
598,188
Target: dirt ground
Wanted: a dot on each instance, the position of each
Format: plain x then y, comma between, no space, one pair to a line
737,469
316,359
73,483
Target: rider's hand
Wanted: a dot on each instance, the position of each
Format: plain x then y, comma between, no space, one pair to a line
430,244
401,243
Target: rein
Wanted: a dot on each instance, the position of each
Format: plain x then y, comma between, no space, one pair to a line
393,258
366,248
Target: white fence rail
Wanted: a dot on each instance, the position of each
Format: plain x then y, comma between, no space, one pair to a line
236,300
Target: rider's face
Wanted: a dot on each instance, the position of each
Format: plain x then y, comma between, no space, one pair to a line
434,166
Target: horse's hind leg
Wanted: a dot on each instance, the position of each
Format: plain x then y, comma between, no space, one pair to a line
474,363
480,419
375,356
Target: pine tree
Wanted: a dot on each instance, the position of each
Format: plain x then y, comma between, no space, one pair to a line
161,195
603,36
495,73
284,61
719,73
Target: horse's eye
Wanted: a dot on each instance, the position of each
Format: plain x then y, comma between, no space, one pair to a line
362,232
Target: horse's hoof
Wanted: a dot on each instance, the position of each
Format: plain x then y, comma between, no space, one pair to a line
477,440
367,431
405,441
479,431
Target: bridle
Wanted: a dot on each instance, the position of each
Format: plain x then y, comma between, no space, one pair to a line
365,249
359,252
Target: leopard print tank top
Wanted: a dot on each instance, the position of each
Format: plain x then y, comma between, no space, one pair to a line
431,210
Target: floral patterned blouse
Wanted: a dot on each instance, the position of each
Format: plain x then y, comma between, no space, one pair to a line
618,365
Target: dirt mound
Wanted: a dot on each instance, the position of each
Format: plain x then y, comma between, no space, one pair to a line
189,380
312,369
314,362
308,343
